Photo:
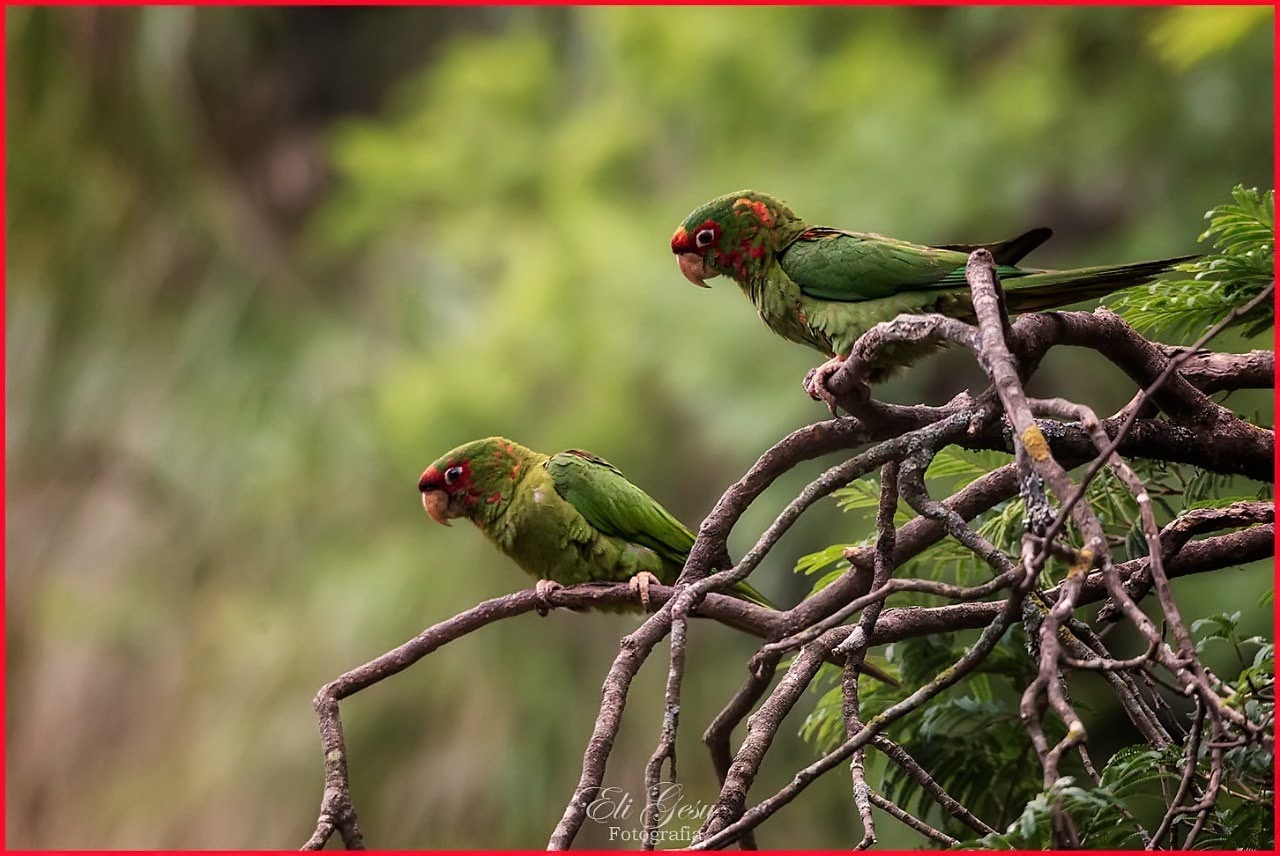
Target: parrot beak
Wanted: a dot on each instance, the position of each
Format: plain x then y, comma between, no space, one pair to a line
435,502
695,269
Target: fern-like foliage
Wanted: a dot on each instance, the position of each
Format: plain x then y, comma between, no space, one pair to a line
1100,816
1137,780
1199,293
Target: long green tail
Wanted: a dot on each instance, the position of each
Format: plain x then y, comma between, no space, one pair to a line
747,592
1036,292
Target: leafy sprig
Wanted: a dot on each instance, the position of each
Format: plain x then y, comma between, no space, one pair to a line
1201,292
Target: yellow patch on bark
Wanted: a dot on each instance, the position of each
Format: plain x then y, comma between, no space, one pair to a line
1082,564
1035,443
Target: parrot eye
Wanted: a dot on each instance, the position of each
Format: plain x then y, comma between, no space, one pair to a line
452,475
704,237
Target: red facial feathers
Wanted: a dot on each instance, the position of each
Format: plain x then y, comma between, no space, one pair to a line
683,242
433,478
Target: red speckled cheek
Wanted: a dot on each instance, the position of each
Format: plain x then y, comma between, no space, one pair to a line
731,261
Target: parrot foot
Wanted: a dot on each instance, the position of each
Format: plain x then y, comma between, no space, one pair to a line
544,588
815,382
640,583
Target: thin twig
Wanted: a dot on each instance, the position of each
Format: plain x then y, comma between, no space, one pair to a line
914,822
898,755
1188,775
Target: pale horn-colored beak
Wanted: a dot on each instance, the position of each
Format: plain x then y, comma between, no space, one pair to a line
695,269
435,502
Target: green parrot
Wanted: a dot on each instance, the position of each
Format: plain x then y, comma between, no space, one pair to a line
565,519
825,287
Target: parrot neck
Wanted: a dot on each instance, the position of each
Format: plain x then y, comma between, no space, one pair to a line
754,286
761,266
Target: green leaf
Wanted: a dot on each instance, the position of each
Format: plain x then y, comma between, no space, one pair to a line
963,466
860,495
814,562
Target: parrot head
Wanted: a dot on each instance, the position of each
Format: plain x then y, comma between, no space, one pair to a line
475,480
734,235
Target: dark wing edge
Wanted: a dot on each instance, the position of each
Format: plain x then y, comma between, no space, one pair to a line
1008,252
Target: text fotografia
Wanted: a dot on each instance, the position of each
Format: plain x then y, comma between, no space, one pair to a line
671,819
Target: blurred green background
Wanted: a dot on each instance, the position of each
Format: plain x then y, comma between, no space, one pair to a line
264,265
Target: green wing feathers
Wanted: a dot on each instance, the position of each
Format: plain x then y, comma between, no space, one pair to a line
852,267
832,264
614,506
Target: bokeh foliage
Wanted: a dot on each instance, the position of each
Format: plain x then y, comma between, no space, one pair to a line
265,264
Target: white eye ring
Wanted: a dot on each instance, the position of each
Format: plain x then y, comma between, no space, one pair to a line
452,474
704,237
